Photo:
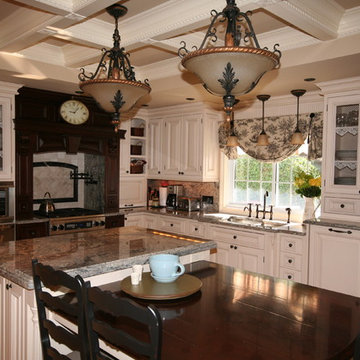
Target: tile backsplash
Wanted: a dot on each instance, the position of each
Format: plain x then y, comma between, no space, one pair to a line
192,189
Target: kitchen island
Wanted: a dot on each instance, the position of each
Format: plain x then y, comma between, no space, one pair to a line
101,256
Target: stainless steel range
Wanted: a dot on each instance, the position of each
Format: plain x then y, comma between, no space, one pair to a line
64,221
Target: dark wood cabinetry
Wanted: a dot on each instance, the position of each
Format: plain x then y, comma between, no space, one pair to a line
40,128
31,230
114,221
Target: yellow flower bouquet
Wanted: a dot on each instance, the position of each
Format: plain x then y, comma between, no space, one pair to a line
308,183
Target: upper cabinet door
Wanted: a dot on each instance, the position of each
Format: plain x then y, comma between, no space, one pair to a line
154,143
6,140
343,148
172,146
191,154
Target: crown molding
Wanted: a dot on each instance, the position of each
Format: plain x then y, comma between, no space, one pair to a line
337,86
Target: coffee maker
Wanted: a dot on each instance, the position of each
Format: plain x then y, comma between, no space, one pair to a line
174,192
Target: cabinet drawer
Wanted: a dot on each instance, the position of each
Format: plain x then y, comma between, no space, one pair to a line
114,221
290,261
31,230
242,238
194,228
292,244
172,225
288,274
342,206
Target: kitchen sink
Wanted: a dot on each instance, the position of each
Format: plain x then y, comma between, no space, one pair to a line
245,220
241,220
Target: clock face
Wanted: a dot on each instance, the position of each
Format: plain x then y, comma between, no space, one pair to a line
74,112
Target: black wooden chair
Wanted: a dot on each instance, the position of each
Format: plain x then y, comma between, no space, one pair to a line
122,323
69,305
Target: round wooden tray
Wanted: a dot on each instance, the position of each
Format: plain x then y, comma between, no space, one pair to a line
150,289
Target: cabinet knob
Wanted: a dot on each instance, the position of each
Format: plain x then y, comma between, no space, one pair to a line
290,261
235,247
159,172
127,171
342,206
289,277
171,224
290,245
8,286
231,246
196,229
234,237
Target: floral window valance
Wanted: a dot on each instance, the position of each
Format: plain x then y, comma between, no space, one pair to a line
279,129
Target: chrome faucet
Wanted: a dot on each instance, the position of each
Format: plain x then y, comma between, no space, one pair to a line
264,211
249,209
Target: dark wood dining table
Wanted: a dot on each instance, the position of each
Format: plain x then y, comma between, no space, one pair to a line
245,315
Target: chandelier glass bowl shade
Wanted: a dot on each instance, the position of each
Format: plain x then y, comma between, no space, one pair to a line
263,139
113,85
297,137
235,68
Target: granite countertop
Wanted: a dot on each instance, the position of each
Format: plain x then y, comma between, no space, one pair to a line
292,228
334,223
93,252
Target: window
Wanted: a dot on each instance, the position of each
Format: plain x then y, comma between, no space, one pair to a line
248,180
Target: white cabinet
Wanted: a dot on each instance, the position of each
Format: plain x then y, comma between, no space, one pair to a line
133,147
154,141
334,259
341,150
243,250
19,331
133,220
7,136
11,320
183,145
293,257
172,224
132,191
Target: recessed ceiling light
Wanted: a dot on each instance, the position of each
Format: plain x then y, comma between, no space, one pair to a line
190,98
309,79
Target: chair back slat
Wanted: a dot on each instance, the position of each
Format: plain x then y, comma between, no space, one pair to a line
62,335
112,318
57,304
68,305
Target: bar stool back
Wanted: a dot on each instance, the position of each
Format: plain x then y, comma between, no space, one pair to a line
122,323
69,305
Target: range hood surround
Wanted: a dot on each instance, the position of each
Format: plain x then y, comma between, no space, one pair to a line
40,129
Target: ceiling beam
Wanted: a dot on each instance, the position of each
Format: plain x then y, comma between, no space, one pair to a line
320,18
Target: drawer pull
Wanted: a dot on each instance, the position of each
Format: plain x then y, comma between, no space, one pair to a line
290,245
290,261
341,231
342,206
289,277
8,286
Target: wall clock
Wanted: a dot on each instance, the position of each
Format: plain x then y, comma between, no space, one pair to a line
74,112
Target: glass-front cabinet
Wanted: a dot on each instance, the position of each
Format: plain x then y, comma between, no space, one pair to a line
343,145
340,192
7,141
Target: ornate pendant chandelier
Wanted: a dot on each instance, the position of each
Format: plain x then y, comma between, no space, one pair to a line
235,68
114,86
297,137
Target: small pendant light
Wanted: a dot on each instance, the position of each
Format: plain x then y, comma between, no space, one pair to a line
263,139
297,137
232,139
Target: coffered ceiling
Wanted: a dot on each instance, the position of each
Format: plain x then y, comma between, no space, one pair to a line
44,43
